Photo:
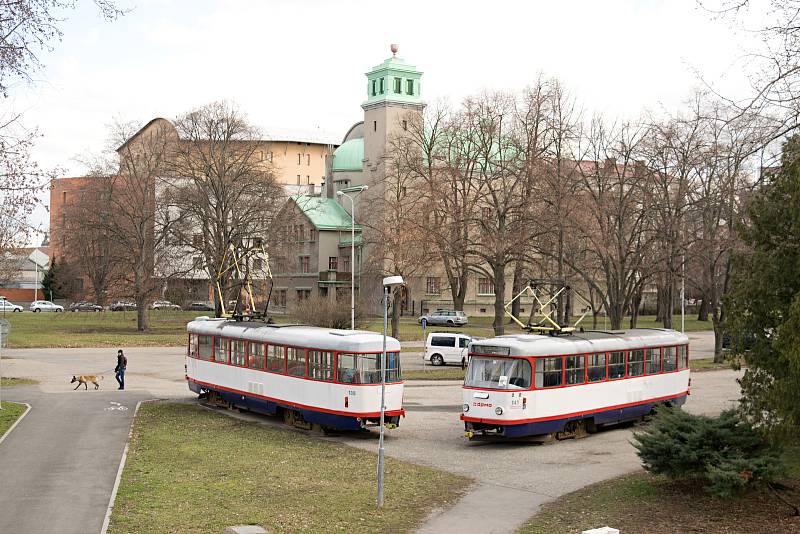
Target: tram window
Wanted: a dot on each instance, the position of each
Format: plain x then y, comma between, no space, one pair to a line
366,368
204,347
295,361
616,365
275,361
320,365
498,373
220,349
575,366
683,357
597,367
192,352
239,352
548,372
653,361
670,361
255,353
635,362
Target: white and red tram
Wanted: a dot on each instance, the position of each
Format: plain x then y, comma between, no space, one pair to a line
529,385
307,374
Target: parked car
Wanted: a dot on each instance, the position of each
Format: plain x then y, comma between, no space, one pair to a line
442,348
199,306
123,305
8,306
444,318
164,305
84,306
45,306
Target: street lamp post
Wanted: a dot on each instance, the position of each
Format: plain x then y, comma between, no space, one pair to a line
343,193
388,283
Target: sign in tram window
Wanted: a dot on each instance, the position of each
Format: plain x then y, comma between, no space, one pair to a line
220,349
275,359
205,347
653,361
548,372
670,361
295,361
597,367
239,352
616,365
192,352
255,353
683,357
320,365
575,367
635,362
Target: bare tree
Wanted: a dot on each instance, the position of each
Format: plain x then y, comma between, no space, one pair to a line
227,193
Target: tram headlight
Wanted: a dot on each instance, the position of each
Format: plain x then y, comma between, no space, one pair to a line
466,407
498,410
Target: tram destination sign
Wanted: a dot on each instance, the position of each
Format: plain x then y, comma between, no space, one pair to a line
493,350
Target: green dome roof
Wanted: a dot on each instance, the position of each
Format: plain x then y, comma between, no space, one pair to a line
349,156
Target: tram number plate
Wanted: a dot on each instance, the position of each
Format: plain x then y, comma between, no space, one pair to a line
351,392
516,404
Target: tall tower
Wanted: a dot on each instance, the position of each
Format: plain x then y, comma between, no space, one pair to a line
393,92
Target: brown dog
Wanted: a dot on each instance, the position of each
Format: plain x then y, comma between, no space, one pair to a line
85,379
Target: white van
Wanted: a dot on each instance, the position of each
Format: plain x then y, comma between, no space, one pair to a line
443,348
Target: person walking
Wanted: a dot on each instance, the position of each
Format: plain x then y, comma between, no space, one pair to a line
122,363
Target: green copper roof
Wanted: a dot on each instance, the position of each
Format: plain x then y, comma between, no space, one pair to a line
324,213
349,156
394,80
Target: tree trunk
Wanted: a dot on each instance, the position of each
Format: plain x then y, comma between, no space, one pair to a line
635,305
702,312
499,292
669,303
396,304
516,287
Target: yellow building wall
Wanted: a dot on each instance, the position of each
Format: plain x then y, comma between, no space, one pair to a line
297,163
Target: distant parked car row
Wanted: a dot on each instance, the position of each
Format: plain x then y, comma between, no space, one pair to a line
39,306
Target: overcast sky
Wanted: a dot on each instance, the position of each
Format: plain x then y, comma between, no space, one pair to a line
300,64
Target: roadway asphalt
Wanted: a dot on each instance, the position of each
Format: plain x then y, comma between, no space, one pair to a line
59,465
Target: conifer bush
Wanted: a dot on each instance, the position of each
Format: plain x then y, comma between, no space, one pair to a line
724,452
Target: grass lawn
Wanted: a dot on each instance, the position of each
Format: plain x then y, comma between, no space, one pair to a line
192,470
11,412
168,328
643,503
104,329
8,381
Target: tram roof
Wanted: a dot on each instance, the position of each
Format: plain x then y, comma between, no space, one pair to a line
294,335
582,342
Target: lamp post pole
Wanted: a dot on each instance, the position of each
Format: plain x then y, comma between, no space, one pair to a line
383,395
352,254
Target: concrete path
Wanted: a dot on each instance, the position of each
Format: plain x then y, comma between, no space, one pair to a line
59,465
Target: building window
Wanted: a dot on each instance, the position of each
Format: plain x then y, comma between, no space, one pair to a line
305,264
298,179
374,126
308,159
270,157
432,285
257,263
333,263
312,234
374,85
197,263
280,298
485,286
486,213
398,86
405,125
64,197
78,284
308,179
197,240
298,158
257,242
303,294
381,85
409,87
346,264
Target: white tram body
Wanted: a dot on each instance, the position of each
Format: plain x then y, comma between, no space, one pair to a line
317,375
527,385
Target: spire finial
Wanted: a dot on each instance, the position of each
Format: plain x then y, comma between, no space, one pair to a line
394,48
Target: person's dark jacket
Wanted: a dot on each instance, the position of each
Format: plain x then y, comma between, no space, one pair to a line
122,362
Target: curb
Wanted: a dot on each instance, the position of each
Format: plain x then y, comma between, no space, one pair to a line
20,418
